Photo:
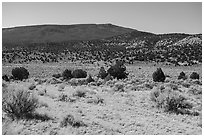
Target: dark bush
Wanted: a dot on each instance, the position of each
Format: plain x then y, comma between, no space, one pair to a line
79,73
11,77
70,120
5,77
158,75
67,74
182,75
56,75
90,79
118,71
194,75
102,73
20,73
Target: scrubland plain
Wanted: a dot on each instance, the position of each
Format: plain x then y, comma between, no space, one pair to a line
114,107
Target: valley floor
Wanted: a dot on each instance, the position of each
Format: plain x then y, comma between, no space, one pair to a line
103,110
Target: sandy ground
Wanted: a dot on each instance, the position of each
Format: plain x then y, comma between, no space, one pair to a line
103,110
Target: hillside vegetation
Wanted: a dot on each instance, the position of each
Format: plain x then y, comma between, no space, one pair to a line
91,43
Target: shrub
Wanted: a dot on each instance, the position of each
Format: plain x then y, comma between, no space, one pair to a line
67,74
5,77
102,73
158,75
119,86
11,78
79,73
195,90
20,73
80,92
194,75
108,78
118,71
95,99
56,75
182,75
170,100
90,79
186,84
61,87
32,86
70,120
19,104
63,97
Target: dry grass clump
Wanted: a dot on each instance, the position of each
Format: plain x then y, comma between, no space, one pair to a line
43,104
80,91
196,82
95,99
119,86
41,91
18,104
61,87
70,120
195,90
65,98
185,84
53,80
32,86
170,99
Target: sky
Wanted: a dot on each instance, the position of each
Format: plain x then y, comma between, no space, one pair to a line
155,17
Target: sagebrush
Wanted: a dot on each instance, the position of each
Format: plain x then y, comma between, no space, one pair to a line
169,99
18,104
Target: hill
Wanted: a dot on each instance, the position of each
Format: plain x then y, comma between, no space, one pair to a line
103,42
59,33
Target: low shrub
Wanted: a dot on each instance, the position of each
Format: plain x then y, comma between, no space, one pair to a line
186,84
90,79
61,87
170,100
63,97
18,104
5,77
102,73
118,70
56,75
70,120
32,86
20,73
195,90
95,99
80,92
119,86
108,77
43,104
158,75
194,75
182,75
67,74
79,73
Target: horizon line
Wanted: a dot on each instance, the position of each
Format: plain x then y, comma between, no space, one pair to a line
55,24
